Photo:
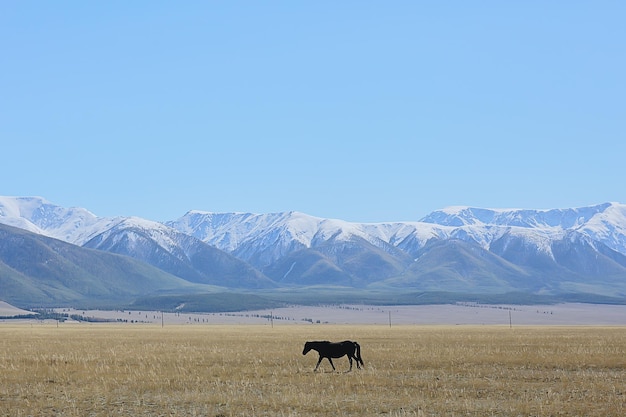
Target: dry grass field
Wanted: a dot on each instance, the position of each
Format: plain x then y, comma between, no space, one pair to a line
255,370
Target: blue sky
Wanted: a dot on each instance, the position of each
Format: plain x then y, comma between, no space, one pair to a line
363,111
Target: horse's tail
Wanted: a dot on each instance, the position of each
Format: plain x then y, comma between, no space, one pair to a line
358,353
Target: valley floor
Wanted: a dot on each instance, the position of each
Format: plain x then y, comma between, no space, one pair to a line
454,314
78,370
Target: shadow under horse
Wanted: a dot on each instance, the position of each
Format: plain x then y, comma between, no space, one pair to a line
331,350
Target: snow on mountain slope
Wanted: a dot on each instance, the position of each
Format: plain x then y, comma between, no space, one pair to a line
542,219
229,230
604,222
608,227
163,236
286,231
283,232
18,212
73,225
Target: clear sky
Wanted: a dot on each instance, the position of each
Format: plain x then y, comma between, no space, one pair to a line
357,110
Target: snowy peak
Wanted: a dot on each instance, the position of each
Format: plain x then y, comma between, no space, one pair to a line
551,218
231,230
135,229
609,227
43,213
38,215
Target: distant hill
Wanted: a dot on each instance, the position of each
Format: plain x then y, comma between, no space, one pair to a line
8,310
38,270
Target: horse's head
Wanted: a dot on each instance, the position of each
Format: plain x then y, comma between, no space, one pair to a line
307,347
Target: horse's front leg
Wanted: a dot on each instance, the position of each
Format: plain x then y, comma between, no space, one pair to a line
318,363
331,363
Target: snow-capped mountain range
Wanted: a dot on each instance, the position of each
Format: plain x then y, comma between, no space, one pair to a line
461,249
235,232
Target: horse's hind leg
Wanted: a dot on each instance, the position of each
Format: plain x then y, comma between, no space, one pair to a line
331,363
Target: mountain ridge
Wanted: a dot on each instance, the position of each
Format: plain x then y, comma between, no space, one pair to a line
459,248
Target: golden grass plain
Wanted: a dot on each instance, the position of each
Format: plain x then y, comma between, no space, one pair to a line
256,370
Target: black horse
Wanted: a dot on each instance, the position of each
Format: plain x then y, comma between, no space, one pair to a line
330,350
